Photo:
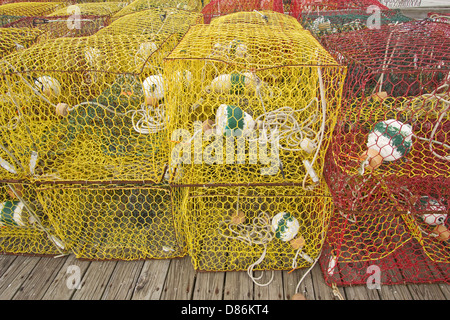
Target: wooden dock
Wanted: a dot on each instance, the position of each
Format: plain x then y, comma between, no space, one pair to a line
68,278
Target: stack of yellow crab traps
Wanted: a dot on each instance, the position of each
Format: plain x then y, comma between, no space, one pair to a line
84,129
251,102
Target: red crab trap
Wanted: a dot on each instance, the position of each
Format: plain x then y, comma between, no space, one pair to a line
371,248
389,151
62,26
80,109
24,227
337,21
299,8
254,228
115,222
218,8
250,104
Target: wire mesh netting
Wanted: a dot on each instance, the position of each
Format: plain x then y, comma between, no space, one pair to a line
298,8
262,18
140,5
218,8
154,22
388,153
254,228
358,245
96,9
24,228
30,9
338,21
115,222
250,104
78,106
17,39
62,26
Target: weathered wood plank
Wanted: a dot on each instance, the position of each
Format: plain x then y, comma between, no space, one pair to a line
209,286
180,280
273,291
39,279
12,279
65,283
95,280
321,290
123,280
291,281
151,280
238,286
5,261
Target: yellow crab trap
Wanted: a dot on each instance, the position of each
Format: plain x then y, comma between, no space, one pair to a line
155,21
254,227
218,8
81,106
262,18
112,222
24,228
30,9
141,5
96,9
249,104
362,247
16,39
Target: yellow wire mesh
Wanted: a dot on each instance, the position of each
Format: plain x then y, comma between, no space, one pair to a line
140,5
15,39
79,103
30,9
280,90
100,9
255,228
115,222
262,18
24,228
155,21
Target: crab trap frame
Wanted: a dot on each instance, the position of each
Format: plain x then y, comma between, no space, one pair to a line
115,222
78,110
254,227
372,248
389,153
250,104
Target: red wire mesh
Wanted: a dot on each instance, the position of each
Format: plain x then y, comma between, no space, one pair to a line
298,7
217,8
372,248
398,77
